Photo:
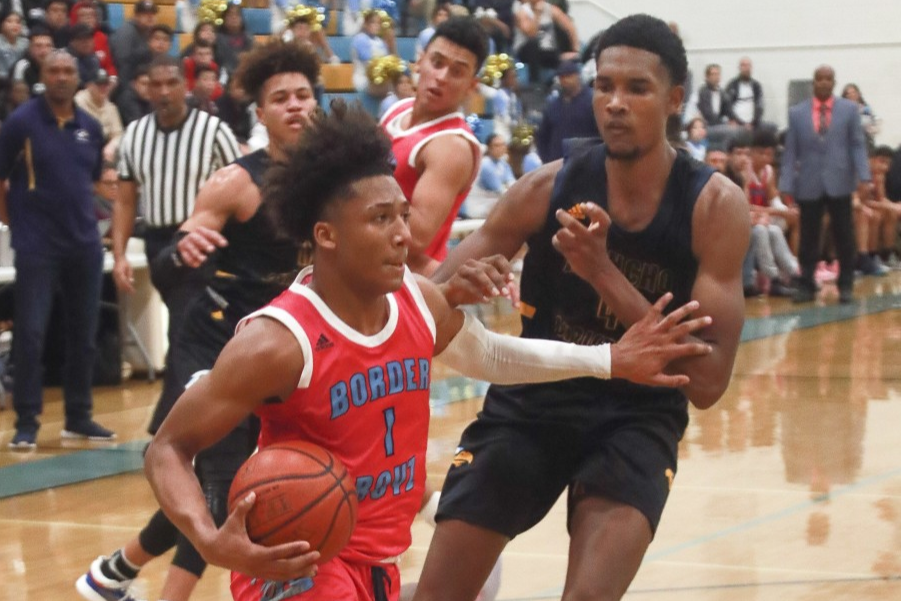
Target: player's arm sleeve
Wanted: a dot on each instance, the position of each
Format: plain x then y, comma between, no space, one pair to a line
484,355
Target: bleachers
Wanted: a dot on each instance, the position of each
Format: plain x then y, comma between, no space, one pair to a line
337,79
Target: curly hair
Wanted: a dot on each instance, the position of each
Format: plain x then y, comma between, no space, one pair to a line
273,58
645,32
335,151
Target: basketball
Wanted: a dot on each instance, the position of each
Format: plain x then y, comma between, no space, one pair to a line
303,494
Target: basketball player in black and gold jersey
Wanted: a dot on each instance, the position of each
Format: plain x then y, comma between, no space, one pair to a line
229,233
610,229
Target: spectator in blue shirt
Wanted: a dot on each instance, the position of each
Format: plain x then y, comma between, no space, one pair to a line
50,157
440,14
567,115
365,46
495,176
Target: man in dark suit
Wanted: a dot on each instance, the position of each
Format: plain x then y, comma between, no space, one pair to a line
825,157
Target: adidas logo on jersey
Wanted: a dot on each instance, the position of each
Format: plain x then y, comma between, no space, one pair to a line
323,343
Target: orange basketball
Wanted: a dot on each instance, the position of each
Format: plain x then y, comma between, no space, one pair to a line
303,494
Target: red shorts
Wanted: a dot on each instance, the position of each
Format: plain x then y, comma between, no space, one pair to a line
337,580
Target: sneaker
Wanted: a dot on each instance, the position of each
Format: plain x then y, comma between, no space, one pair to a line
781,290
824,274
94,586
24,440
89,430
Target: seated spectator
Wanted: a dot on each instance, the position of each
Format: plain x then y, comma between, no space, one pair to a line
94,99
56,20
505,105
13,44
130,43
87,13
775,263
876,220
401,87
204,30
495,176
496,16
28,68
235,109
134,100
305,28
18,93
365,46
81,46
231,38
106,193
868,118
535,40
160,41
201,57
696,141
201,96
440,14
716,157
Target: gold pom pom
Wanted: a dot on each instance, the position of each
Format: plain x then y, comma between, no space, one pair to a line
312,15
384,68
522,135
495,67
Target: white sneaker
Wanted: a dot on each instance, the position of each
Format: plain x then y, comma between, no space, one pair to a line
94,586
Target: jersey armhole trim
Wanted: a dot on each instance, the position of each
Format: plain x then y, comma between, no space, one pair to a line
477,147
413,286
285,318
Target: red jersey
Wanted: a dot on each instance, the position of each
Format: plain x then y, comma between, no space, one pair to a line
406,144
757,188
365,399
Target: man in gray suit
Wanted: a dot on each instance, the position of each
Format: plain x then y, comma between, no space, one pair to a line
825,157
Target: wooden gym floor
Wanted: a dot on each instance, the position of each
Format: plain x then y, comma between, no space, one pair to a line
789,488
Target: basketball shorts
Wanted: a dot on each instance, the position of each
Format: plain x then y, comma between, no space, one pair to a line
337,580
514,462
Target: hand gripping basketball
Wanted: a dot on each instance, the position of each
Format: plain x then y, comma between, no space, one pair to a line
303,493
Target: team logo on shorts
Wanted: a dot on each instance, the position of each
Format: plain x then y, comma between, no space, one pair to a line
670,474
462,457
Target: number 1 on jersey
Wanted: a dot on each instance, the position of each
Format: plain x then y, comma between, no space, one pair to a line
389,431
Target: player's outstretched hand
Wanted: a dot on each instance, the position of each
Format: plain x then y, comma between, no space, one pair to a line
199,244
232,549
478,281
582,239
652,343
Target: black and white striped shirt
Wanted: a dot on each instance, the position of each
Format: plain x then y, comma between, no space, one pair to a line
171,166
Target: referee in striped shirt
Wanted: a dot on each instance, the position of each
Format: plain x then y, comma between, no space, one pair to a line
167,156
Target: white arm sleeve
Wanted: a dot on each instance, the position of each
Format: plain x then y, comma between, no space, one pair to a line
500,359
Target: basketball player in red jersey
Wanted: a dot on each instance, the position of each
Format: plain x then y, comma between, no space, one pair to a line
437,155
343,359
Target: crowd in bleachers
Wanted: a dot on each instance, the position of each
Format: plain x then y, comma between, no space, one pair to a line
536,93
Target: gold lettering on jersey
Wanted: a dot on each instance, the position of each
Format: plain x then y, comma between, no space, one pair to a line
577,335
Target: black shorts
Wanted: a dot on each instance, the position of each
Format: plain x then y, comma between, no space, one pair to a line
519,455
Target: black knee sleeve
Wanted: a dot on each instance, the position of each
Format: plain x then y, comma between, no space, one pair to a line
159,535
